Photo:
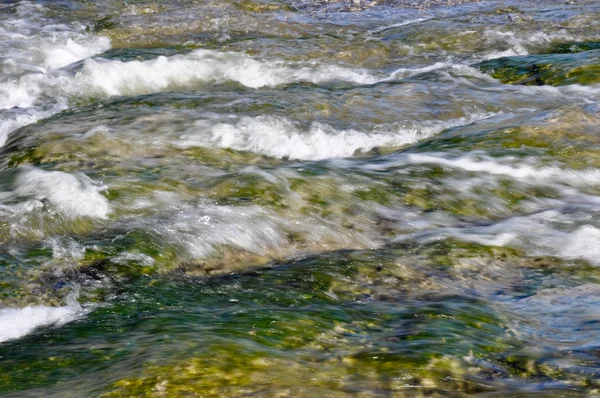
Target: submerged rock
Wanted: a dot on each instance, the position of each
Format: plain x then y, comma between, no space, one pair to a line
582,67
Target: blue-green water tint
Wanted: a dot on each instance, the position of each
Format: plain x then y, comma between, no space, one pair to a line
316,311
291,311
281,198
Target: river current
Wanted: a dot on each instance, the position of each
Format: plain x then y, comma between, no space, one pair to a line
290,198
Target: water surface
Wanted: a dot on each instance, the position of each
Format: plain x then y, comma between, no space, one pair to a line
293,198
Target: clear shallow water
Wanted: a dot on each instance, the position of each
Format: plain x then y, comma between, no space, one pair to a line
299,199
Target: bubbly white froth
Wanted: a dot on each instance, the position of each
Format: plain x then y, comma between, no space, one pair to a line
13,121
562,226
282,138
18,322
73,195
550,232
32,51
31,43
106,78
72,51
113,78
583,243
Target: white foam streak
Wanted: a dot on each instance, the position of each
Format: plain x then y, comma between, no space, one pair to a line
30,41
205,230
519,45
408,72
201,232
13,121
583,243
72,51
550,232
18,322
538,236
113,78
72,195
568,230
480,163
449,67
32,50
397,25
282,138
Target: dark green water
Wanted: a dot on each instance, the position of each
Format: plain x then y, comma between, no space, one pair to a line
286,198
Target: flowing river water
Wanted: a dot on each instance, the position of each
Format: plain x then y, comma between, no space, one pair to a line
291,198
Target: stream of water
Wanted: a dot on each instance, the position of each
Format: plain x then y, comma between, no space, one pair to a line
292,198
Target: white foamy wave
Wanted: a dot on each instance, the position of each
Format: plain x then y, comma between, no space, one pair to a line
21,93
18,322
583,243
408,72
74,50
32,49
105,78
282,138
515,168
10,121
31,42
564,232
113,78
518,44
563,226
27,91
502,166
72,195
455,69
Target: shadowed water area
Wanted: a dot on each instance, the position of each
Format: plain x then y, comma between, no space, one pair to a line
267,198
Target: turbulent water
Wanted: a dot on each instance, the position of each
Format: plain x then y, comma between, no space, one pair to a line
300,198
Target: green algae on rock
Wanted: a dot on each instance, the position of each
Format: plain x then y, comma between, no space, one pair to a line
552,69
